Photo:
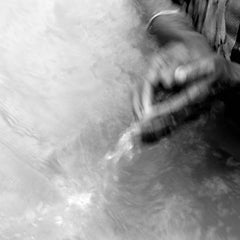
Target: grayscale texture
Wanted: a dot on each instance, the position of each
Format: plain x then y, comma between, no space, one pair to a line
67,70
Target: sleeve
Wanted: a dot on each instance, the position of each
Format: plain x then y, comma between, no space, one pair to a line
209,19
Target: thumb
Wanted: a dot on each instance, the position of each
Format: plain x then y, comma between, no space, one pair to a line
195,70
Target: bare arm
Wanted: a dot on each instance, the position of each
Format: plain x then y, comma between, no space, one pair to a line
150,7
172,27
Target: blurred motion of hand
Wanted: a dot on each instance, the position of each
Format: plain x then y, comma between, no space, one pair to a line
188,74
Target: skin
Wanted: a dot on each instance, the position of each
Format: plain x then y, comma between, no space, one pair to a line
185,59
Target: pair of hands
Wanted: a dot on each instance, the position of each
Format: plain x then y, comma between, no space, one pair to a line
183,76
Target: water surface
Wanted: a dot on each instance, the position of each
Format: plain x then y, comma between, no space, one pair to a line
69,170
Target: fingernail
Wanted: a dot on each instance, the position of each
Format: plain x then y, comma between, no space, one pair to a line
180,75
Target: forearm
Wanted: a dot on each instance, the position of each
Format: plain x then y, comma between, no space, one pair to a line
150,7
172,27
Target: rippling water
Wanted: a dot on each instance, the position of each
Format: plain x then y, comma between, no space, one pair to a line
70,166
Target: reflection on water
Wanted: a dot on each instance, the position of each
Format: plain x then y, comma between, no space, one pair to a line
70,167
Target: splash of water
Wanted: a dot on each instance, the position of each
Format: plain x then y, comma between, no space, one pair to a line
124,147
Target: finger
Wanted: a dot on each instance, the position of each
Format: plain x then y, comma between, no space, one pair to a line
147,98
136,102
155,129
166,116
142,99
192,94
194,71
160,71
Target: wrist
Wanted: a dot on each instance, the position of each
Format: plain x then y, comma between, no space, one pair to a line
177,28
148,8
172,27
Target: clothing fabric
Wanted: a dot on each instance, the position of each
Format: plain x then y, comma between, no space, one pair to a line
218,21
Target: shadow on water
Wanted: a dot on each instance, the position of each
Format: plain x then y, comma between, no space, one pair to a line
182,188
